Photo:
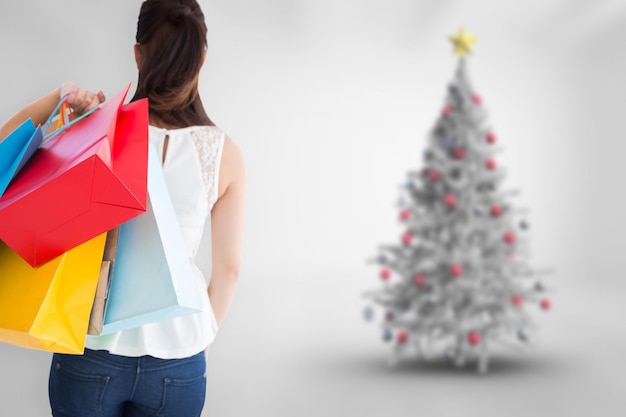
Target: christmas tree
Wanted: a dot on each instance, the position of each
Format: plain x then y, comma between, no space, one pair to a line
458,282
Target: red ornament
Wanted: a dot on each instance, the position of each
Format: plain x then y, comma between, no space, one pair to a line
456,270
419,279
473,338
490,164
491,138
446,111
546,304
509,237
477,99
450,200
459,153
402,336
405,214
517,300
434,175
496,210
385,274
407,238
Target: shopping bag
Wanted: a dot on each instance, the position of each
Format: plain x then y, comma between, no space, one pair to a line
48,307
153,278
16,149
89,178
96,319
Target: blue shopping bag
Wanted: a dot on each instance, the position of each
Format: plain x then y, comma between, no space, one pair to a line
152,279
16,149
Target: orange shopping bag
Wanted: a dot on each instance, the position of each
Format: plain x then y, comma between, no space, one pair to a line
48,307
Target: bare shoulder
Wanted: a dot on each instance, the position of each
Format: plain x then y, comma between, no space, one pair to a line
232,166
232,153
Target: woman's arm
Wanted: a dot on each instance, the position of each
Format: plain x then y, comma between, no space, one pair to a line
80,100
227,218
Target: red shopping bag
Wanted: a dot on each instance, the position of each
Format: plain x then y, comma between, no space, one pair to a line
84,181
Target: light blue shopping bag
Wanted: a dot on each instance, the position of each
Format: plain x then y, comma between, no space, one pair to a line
152,277
16,149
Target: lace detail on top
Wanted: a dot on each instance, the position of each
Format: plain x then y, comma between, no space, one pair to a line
209,143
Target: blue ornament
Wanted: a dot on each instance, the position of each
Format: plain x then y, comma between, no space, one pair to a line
448,353
452,87
539,286
382,259
524,225
428,154
387,336
368,313
521,335
430,298
448,143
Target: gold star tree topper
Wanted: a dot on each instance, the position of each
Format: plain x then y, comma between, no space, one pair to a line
462,42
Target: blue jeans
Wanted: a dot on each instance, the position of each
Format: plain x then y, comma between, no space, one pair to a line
100,384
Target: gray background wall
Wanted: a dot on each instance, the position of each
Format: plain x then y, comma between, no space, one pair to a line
331,103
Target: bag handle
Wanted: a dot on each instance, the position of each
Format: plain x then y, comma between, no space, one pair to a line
63,108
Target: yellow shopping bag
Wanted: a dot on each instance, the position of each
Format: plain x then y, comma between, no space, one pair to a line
48,307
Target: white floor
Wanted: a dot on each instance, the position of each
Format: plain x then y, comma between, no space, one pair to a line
295,345
300,348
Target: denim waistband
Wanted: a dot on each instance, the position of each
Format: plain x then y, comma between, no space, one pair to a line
144,362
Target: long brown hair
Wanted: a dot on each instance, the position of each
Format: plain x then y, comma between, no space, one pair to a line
171,35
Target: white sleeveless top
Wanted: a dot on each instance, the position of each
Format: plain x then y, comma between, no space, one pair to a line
191,169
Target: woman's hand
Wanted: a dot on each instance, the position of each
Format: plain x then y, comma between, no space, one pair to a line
81,100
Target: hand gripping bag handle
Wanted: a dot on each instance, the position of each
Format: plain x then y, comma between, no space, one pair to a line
63,122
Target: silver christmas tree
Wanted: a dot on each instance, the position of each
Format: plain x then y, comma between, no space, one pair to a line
459,281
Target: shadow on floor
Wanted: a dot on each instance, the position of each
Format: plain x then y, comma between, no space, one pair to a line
499,366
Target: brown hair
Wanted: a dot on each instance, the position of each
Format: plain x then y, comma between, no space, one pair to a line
171,35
